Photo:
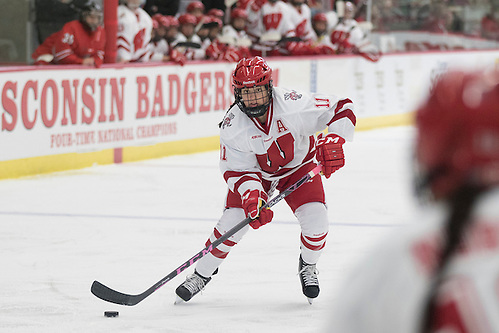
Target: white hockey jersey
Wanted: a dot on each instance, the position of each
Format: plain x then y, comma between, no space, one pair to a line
273,19
231,36
250,151
190,53
387,291
303,22
134,35
356,35
158,50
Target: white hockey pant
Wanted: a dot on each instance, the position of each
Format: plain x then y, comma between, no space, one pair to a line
210,262
314,228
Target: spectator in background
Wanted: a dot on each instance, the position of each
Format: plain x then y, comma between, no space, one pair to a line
225,49
79,42
348,38
489,25
218,13
322,40
302,19
163,7
202,29
233,43
235,32
386,15
159,47
439,274
439,20
196,8
214,28
188,42
172,31
320,27
51,15
269,22
134,32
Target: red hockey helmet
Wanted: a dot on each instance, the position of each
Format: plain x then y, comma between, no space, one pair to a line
215,22
252,72
187,19
161,20
155,25
216,13
319,17
173,21
458,133
238,13
194,5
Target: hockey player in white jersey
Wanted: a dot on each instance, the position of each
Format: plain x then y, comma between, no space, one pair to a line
268,23
440,274
267,142
302,19
187,41
134,32
349,38
235,32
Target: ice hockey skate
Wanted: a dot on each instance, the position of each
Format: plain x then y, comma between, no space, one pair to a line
192,285
308,278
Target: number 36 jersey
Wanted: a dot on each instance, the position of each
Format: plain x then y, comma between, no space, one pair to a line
251,151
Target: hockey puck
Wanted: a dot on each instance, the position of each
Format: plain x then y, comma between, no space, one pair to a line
111,314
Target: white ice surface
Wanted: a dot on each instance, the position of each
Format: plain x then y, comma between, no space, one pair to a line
130,225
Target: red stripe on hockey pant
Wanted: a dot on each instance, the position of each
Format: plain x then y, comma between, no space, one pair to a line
317,239
219,254
216,252
237,174
218,235
310,246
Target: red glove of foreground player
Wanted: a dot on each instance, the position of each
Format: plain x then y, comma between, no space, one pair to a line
330,153
252,200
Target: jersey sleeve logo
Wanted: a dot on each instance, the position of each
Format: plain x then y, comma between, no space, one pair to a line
227,120
293,95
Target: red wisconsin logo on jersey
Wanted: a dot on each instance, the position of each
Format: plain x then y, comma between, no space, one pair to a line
271,21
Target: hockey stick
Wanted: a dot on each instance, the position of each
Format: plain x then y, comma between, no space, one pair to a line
113,296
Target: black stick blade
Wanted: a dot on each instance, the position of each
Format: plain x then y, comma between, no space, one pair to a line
113,296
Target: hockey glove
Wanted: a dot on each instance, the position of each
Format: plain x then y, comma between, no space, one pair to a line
252,200
330,153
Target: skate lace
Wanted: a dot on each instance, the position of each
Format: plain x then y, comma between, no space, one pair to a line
309,275
194,283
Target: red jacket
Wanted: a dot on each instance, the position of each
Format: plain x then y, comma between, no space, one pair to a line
74,43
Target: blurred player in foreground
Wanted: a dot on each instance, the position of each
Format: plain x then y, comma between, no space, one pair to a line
267,142
440,274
